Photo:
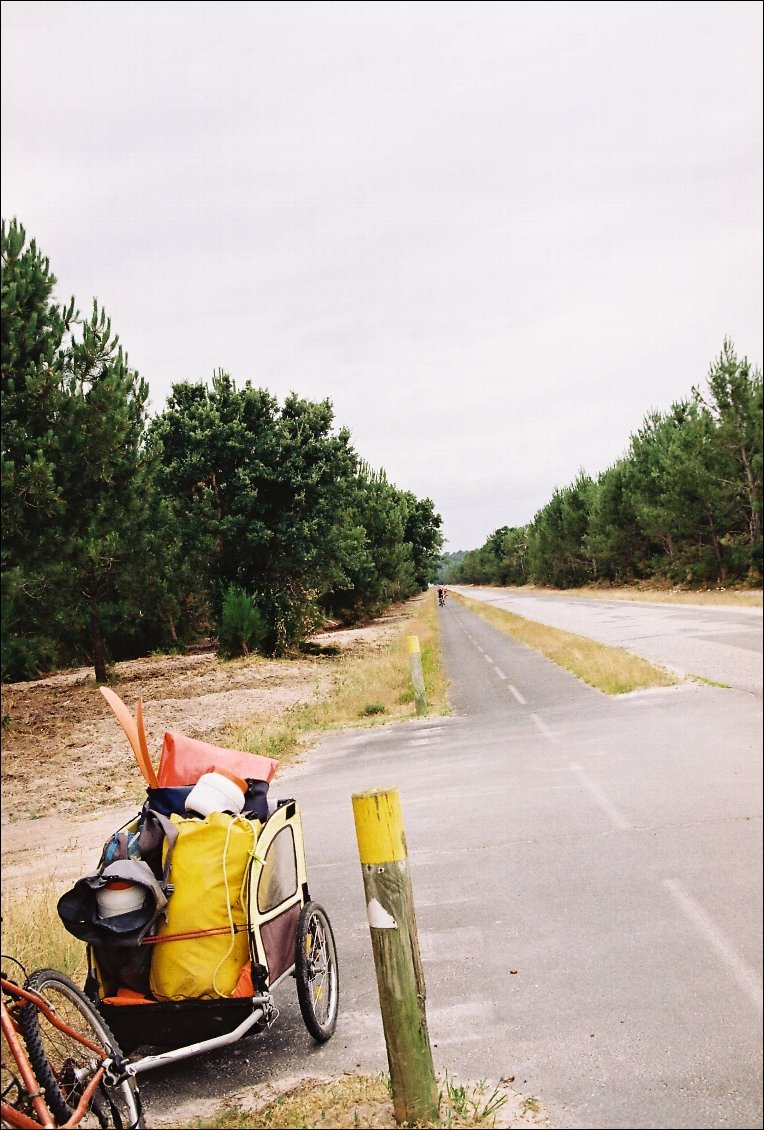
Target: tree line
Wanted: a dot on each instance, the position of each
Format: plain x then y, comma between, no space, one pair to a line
683,505
226,513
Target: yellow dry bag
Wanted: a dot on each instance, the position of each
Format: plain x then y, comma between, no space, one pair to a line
208,873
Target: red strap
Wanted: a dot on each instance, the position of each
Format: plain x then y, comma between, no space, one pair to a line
155,939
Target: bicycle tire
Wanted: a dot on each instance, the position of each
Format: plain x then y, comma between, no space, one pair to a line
316,972
55,1056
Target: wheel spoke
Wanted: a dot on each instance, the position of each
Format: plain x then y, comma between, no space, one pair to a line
317,973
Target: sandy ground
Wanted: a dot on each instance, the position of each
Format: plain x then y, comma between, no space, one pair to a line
69,778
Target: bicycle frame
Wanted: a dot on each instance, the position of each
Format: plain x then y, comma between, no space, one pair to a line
35,1093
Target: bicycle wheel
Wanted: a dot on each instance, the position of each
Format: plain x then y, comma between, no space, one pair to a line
63,1065
316,972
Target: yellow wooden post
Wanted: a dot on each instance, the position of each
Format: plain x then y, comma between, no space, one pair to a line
417,676
395,944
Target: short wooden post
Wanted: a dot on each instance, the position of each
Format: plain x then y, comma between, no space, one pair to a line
417,676
395,944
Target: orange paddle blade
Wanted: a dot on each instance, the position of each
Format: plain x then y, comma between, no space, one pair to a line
128,724
152,777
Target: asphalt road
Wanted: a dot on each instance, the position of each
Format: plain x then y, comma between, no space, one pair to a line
588,884
721,644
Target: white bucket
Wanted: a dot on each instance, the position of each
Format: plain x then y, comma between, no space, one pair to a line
216,792
119,897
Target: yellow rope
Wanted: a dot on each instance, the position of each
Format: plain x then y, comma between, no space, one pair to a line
231,924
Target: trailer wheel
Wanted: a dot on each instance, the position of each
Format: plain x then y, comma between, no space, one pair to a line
316,972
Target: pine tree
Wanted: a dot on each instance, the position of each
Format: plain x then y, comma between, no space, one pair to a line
32,330
736,407
33,327
101,474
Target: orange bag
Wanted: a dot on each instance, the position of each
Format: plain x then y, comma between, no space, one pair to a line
184,760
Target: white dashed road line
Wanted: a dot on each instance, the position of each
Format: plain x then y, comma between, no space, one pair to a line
746,977
539,722
614,814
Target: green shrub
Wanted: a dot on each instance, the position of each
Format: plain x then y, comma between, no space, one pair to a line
242,626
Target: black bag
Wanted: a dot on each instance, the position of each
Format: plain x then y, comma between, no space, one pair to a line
114,943
167,801
118,966
256,800
78,908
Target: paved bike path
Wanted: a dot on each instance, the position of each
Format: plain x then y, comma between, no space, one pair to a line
586,874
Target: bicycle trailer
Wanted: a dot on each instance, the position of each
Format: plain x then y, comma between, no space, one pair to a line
198,972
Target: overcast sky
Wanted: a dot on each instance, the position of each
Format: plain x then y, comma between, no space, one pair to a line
494,235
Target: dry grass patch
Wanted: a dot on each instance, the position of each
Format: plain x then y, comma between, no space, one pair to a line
33,934
608,669
364,1101
366,690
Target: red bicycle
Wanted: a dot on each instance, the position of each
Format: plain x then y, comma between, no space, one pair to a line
62,1067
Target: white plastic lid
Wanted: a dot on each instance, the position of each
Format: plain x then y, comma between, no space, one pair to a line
119,898
214,792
